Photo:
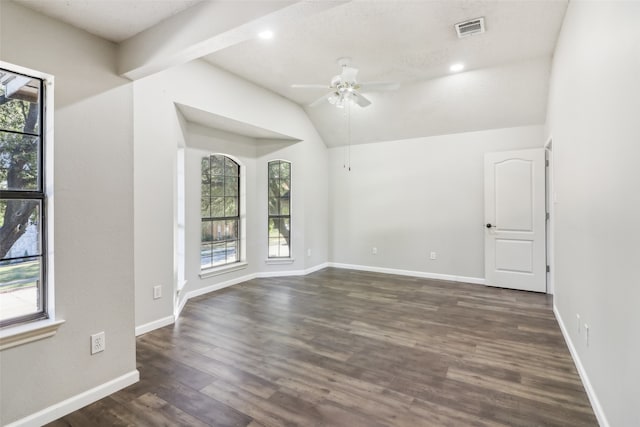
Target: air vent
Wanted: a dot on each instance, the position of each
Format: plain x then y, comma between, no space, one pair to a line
469,28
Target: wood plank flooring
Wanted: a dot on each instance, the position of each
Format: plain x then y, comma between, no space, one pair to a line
349,348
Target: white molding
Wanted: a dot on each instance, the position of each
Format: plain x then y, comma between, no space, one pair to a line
29,332
279,261
422,274
283,273
218,286
148,327
316,268
78,401
212,272
591,393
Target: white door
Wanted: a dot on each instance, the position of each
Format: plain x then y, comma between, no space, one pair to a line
514,197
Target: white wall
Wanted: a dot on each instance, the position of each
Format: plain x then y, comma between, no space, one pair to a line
157,136
594,105
93,216
408,198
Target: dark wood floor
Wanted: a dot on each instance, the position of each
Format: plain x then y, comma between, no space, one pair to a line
348,348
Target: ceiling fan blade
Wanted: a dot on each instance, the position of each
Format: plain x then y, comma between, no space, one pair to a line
310,86
349,74
320,100
360,100
378,86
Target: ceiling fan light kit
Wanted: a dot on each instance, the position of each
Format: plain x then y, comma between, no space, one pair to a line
344,88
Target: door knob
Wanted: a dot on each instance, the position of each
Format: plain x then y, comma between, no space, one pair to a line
489,225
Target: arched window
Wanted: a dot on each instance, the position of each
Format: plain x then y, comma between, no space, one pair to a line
220,211
279,209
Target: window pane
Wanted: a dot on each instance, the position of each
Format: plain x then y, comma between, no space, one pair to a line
273,206
274,227
205,170
217,186
21,112
205,201
284,227
23,218
274,188
284,248
232,255
219,254
274,247
284,206
231,206
285,171
232,230
217,207
274,170
207,231
231,167
217,165
231,186
19,161
218,228
20,288
284,189
206,255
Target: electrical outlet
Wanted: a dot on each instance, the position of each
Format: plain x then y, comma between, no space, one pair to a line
374,250
586,334
433,255
578,323
157,292
98,343
308,252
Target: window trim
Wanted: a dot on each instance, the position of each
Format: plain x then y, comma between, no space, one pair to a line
12,326
239,263
279,259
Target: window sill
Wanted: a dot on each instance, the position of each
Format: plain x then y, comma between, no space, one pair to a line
29,332
211,272
279,261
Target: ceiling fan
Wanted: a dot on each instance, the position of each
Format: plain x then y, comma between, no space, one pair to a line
344,87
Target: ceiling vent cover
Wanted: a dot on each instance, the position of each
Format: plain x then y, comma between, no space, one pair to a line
470,27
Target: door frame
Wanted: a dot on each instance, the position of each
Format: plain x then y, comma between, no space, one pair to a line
550,201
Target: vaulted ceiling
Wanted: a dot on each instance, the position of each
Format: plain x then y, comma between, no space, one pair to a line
504,83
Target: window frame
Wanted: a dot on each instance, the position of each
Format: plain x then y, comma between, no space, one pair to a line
280,215
40,194
237,217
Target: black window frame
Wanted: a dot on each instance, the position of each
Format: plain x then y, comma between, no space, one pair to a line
40,195
217,218
279,216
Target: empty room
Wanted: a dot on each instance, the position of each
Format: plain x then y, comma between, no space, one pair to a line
319,213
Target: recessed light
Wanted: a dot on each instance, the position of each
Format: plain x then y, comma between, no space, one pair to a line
266,34
456,67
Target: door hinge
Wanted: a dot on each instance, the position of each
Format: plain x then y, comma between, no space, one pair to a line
547,216
548,269
546,163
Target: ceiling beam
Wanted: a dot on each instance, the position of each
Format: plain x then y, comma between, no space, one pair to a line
206,28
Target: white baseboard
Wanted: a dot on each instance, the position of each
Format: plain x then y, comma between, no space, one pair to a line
316,268
78,401
593,398
148,327
422,274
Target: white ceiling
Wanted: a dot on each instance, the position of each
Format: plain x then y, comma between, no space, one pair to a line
413,42
114,20
403,41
